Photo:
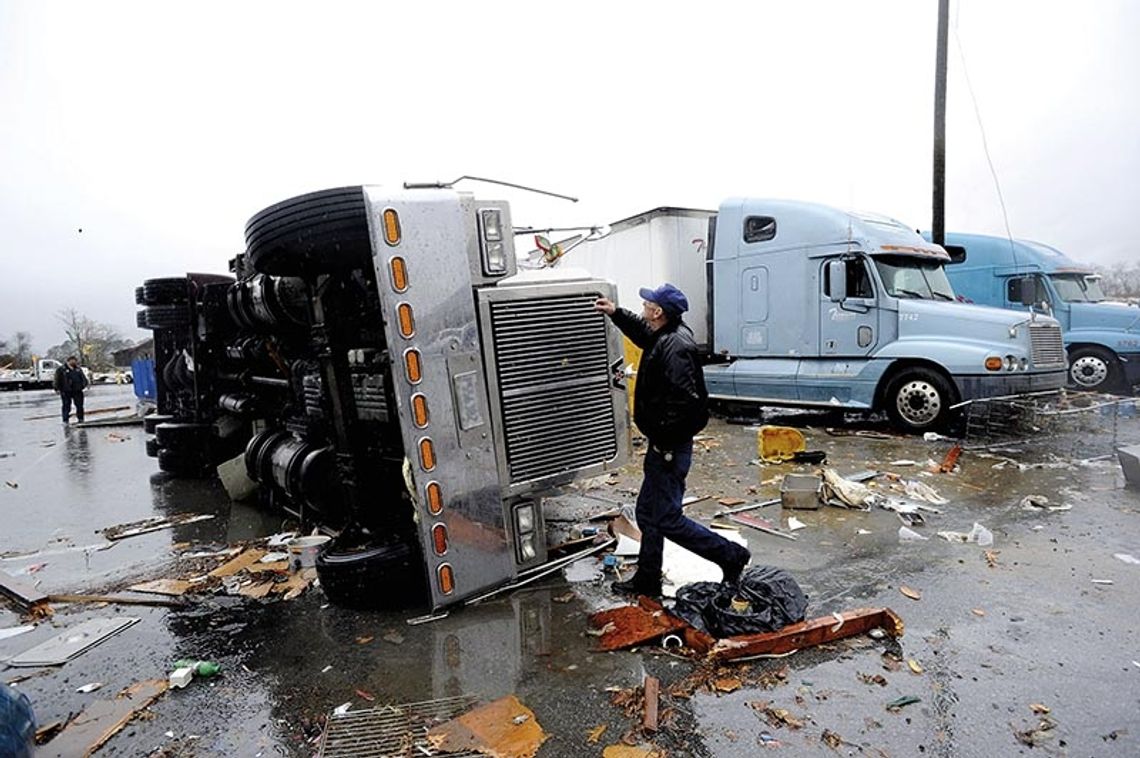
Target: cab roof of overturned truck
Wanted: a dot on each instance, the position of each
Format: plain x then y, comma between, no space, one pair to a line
803,224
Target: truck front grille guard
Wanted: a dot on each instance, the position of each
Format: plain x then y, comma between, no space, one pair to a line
552,366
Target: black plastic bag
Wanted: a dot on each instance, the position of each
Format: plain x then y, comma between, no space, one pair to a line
774,601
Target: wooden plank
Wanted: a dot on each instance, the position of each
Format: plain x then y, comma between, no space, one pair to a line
244,560
174,587
275,566
20,591
764,525
797,636
631,625
257,591
101,720
118,600
652,693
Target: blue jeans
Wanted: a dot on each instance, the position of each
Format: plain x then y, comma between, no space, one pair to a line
659,515
68,398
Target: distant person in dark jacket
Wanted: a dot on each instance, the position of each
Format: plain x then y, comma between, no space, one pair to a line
69,381
670,406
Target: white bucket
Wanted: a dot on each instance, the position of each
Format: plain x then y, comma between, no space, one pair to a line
303,551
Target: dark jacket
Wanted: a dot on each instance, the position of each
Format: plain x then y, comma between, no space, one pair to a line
69,380
670,402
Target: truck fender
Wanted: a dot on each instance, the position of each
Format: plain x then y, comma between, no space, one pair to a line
955,356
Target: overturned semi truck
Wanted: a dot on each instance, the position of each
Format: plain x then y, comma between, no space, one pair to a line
388,375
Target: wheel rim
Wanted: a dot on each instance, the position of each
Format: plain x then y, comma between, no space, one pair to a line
918,402
1089,371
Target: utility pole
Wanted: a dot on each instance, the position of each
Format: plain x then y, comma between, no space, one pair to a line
938,222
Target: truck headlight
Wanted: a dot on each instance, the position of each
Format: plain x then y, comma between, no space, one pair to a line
494,260
524,518
491,241
1024,364
1010,363
526,548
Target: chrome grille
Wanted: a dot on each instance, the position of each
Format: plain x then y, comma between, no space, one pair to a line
552,369
1046,346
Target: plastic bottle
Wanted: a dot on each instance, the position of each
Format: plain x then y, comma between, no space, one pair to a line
204,669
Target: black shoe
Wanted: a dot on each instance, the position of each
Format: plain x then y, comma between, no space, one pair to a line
635,586
733,570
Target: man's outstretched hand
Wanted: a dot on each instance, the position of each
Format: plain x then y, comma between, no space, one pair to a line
605,305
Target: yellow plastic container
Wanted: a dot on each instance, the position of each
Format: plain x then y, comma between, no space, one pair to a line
776,444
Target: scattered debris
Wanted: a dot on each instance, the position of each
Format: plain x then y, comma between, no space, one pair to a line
727,684
1034,502
632,625
14,631
154,524
914,666
103,719
848,492
731,501
763,525
491,729
595,734
175,587
72,643
922,491
652,689
1102,581
777,444
801,491
1036,735
906,534
794,524
831,739
632,751
1038,708
878,679
901,702
951,460
1127,558
88,688
992,557
977,612
366,695
1130,464
978,534
394,637
913,594
20,591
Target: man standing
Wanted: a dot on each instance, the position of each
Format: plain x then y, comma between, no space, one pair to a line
670,406
69,381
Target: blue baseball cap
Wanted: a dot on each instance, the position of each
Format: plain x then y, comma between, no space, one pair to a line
671,299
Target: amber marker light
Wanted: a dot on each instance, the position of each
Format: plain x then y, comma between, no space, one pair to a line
439,539
993,363
391,226
446,578
399,274
413,366
419,410
427,454
405,320
434,498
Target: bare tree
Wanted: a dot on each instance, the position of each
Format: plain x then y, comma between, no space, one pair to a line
91,340
22,348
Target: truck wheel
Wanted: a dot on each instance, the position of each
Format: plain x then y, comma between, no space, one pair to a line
180,437
166,291
182,463
372,576
317,233
153,420
1094,369
919,399
167,316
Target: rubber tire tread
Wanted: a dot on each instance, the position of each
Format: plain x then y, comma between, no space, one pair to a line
140,297
183,436
320,232
174,462
141,320
387,576
152,447
168,316
165,291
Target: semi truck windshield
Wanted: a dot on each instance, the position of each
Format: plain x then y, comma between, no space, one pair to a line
1077,288
904,276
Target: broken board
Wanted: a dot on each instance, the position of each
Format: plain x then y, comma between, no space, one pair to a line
101,720
504,728
173,587
634,625
20,591
796,636
72,643
244,560
146,526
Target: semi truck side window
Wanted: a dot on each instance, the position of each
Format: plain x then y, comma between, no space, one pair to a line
759,228
1040,293
858,280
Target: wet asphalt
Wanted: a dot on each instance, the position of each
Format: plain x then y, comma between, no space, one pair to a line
990,640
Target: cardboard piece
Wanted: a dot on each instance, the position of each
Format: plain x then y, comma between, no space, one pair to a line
101,720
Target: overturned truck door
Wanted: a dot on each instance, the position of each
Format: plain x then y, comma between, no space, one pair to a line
504,386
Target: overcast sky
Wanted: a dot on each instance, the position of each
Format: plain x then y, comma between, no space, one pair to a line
158,132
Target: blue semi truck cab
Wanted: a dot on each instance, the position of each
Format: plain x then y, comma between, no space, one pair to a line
1102,337
799,304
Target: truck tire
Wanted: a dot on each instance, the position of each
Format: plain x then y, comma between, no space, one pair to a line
165,291
140,297
167,316
153,420
1094,369
180,436
152,447
387,576
317,233
182,463
141,321
918,400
